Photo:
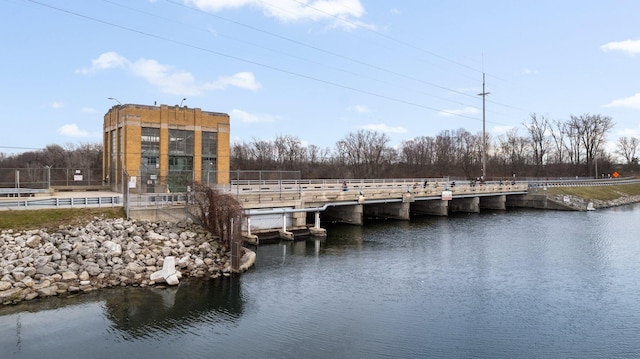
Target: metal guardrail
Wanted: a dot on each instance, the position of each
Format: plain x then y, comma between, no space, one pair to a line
147,200
62,202
17,192
583,182
242,187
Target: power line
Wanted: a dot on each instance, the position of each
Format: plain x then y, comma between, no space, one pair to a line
359,62
404,43
20,148
318,63
162,38
385,36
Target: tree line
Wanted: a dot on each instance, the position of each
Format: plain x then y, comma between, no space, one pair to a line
35,166
548,148
87,155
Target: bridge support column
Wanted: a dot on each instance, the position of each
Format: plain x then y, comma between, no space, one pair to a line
494,202
316,231
433,208
351,214
284,234
471,205
248,237
298,219
388,210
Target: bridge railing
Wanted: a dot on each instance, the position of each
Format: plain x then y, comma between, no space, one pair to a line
334,189
581,182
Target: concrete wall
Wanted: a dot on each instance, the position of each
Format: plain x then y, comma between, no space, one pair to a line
539,201
171,214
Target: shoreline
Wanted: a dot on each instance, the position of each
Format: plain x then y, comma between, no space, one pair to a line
119,252
106,253
581,204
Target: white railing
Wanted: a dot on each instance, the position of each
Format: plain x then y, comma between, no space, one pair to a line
61,202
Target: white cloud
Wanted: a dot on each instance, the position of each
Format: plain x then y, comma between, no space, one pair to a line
464,111
631,47
106,61
290,11
72,130
359,109
628,132
245,80
529,72
57,105
166,77
246,117
629,102
88,110
381,127
396,11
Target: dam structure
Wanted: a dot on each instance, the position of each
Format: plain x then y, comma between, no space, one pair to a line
291,207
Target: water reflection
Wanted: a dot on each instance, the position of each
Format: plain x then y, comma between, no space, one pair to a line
514,284
136,312
131,313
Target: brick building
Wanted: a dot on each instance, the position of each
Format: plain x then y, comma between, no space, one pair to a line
163,148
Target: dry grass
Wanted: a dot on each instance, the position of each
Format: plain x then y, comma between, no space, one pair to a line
53,218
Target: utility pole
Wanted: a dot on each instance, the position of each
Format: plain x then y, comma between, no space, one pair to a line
484,137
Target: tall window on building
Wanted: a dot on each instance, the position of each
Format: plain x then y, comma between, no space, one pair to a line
114,154
209,157
180,143
180,159
150,158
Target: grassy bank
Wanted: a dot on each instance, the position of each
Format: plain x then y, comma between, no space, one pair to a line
53,218
602,193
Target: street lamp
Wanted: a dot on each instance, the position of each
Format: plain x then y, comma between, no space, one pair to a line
184,99
114,99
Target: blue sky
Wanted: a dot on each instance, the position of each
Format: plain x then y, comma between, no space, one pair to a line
317,70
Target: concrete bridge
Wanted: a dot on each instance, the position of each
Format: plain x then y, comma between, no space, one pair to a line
287,208
299,206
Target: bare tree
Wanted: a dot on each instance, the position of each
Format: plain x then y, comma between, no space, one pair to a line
219,213
592,130
627,147
241,156
417,155
363,152
538,128
469,151
513,152
289,152
557,135
573,133
444,153
263,153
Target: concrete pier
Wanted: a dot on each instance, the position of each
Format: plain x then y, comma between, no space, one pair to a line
493,202
351,214
432,208
394,210
468,204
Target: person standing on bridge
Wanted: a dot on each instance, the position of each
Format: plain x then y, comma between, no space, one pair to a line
344,186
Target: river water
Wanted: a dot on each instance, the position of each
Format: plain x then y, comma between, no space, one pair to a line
520,283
